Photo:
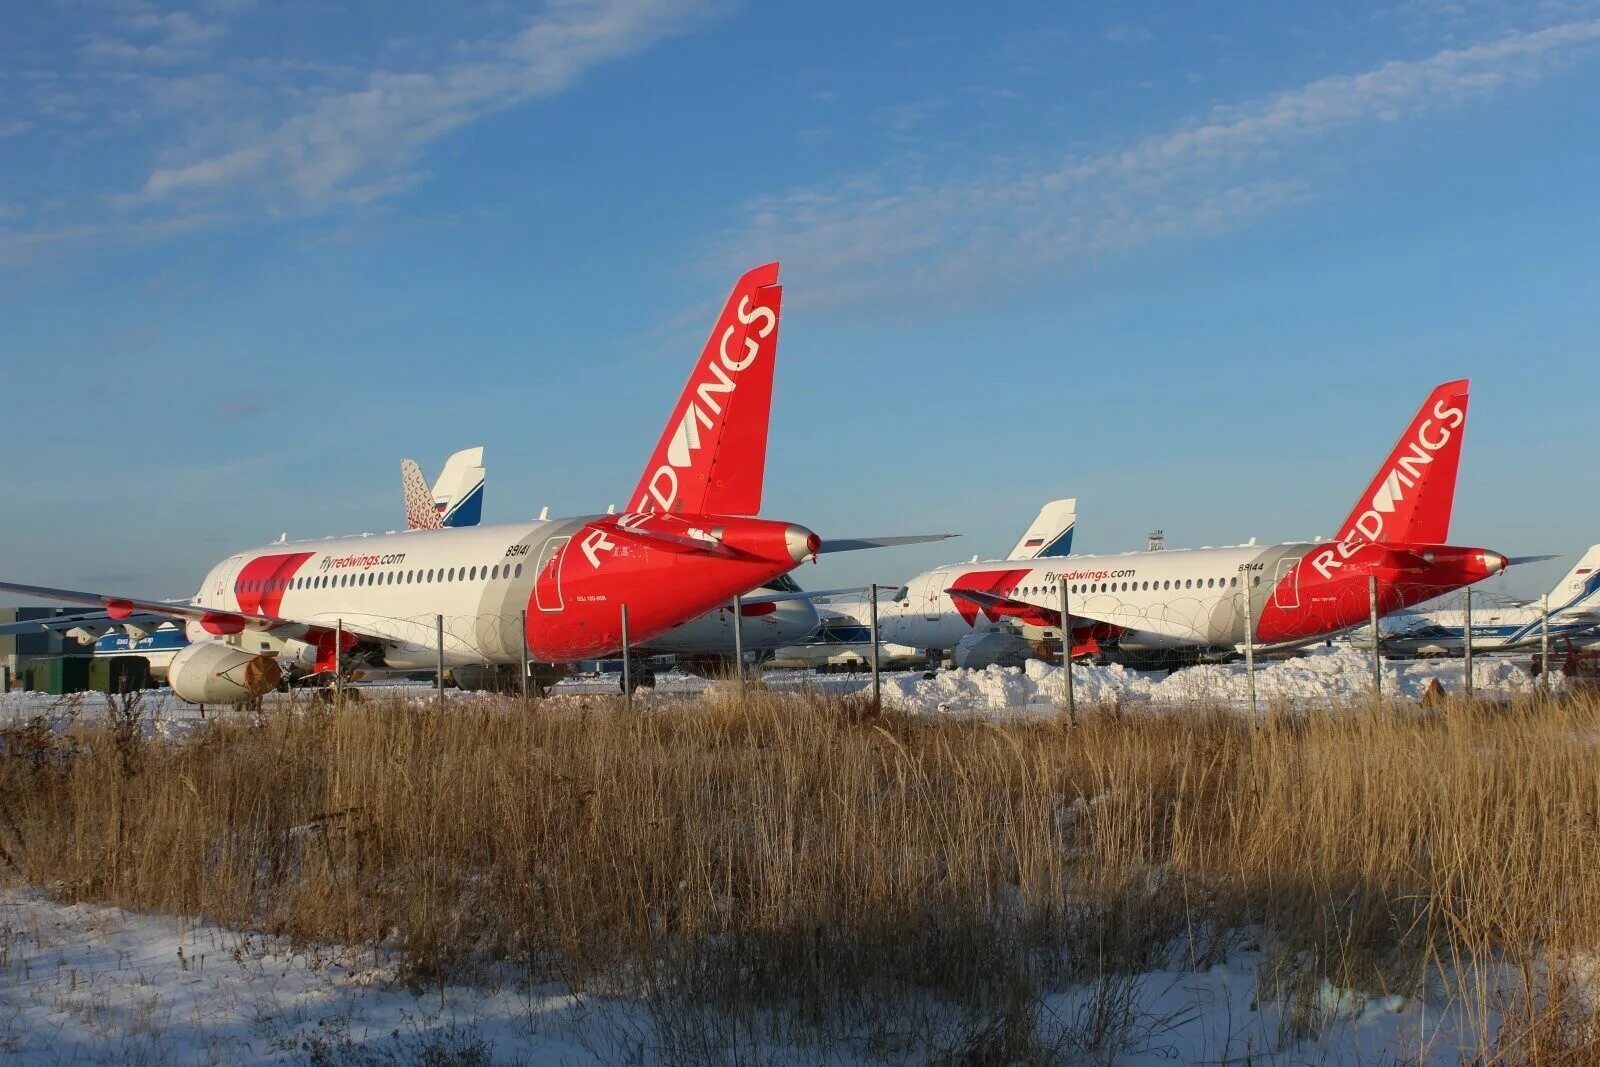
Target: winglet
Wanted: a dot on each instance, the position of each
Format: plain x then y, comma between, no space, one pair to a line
712,456
1413,493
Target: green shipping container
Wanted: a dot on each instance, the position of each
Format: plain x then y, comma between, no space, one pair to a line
119,674
58,675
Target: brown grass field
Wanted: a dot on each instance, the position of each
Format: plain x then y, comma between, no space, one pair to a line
808,859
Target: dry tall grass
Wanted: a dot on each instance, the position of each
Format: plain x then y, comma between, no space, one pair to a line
809,856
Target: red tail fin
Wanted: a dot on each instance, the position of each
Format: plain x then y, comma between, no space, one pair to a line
712,456
1410,499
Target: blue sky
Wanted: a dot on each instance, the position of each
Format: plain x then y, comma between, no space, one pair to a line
1196,265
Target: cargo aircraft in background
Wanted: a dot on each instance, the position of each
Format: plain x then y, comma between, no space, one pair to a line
1182,605
553,587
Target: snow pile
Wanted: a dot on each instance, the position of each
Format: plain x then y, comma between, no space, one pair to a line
1326,676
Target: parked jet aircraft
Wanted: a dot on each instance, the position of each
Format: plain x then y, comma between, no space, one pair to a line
1185,604
552,587
842,635
704,642
1574,609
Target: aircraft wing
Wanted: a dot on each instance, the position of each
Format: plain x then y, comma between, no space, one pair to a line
63,623
997,606
121,609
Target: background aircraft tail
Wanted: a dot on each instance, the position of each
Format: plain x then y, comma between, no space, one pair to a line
1413,493
458,494
1581,586
420,512
712,456
1050,534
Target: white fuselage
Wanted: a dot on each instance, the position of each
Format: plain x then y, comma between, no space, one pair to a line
1162,600
396,586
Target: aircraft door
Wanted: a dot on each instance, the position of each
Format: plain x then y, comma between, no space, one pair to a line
547,575
1286,587
222,590
933,594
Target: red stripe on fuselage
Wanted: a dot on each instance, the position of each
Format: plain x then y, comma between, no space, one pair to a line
1000,583
261,583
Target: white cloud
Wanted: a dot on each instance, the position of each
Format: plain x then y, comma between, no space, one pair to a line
1199,179
360,138
1128,33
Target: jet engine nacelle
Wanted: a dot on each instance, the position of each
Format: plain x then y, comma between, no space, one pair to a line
992,648
211,672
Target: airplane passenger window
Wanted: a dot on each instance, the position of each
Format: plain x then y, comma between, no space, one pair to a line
1257,581
518,573
450,575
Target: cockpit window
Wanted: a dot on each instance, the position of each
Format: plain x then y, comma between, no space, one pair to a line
900,594
783,583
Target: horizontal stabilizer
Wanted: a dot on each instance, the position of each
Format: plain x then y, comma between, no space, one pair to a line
668,541
855,544
798,594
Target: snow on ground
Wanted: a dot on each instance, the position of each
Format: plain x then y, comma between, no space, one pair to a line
88,984
1325,676
1321,676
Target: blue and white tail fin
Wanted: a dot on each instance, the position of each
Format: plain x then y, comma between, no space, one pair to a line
1580,589
1050,533
458,494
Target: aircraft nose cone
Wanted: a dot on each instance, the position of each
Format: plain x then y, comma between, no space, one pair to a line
802,542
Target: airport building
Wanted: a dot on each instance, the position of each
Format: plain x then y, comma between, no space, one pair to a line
17,650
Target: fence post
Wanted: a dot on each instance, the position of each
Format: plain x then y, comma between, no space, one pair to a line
1066,654
738,643
1466,634
1544,642
872,619
523,630
1249,644
627,667
338,663
438,636
1377,654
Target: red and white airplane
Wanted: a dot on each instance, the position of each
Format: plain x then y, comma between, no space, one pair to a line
1176,604
689,544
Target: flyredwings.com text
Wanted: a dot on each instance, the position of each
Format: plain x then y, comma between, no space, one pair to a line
339,563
